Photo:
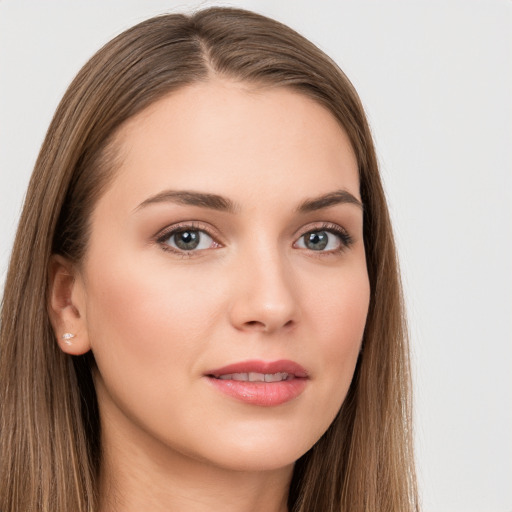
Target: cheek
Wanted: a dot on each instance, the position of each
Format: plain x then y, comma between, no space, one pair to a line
340,306
146,319
340,318
348,317
344,312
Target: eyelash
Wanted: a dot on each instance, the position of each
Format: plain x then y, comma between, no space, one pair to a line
161,238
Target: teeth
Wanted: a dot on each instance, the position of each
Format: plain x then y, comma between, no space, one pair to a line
275,377
255,377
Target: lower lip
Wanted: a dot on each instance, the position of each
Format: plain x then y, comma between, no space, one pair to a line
266,394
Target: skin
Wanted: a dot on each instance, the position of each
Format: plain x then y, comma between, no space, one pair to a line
157,320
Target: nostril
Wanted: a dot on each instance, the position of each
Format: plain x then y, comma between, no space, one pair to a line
255,323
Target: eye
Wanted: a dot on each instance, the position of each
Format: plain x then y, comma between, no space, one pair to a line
325,240
187,239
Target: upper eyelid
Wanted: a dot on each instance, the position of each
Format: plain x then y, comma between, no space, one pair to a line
321,226
181,226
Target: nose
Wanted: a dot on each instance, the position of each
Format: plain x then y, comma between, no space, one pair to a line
265,295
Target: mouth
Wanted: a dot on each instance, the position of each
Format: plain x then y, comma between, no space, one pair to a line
260,383
256,377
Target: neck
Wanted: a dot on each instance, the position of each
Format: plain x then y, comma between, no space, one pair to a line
136,485
144,476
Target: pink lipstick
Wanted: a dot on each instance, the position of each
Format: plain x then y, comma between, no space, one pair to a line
259,382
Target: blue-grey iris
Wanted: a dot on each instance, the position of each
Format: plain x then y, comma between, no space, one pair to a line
187,240
317,240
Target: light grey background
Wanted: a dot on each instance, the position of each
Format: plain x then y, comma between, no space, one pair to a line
436,80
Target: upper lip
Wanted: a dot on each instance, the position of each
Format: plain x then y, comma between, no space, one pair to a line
256,366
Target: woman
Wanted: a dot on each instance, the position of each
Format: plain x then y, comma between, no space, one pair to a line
203,307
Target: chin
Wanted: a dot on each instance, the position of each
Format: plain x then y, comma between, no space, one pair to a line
262,451
255,459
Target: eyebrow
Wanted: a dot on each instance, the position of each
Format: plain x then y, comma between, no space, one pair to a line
184,197
328,200
220,203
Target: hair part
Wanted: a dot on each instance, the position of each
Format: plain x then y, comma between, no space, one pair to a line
50,444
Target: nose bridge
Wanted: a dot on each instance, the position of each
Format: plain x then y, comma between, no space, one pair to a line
265,297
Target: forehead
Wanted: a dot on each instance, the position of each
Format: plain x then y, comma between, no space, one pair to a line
237,140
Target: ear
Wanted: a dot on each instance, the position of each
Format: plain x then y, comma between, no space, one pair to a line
66,306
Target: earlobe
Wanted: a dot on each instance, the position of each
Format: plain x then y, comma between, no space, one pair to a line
66,306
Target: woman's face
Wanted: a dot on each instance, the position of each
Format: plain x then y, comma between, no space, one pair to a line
224,292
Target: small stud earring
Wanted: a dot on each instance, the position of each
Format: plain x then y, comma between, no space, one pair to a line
67,337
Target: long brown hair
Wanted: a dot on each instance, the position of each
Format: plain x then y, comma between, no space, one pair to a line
50,431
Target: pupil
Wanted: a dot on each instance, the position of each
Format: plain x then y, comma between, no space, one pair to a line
187,240
317,241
